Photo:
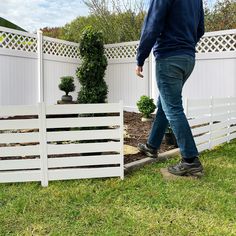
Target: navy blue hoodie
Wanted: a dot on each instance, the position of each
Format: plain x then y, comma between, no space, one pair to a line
171,27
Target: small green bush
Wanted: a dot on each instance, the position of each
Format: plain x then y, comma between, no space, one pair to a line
67,84
146,106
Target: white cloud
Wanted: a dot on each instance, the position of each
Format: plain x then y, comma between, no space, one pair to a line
34,14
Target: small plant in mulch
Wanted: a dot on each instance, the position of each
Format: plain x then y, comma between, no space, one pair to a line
146,106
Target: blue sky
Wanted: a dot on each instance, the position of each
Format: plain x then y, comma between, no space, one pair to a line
35,14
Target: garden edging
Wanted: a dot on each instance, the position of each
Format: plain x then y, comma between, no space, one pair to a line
140,163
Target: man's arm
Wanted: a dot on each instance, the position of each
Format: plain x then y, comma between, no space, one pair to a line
153,27
201,27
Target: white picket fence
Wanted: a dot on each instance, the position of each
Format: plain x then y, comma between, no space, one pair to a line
213,121
59,142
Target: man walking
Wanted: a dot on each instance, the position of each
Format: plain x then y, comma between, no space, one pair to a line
172,28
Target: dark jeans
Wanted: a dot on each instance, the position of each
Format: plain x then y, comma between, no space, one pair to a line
171,75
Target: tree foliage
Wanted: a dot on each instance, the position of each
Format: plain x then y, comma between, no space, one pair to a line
122,20
221,16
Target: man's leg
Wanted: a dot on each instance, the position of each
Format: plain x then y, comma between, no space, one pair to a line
172,73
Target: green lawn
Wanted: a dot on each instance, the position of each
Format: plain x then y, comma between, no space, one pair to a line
142,204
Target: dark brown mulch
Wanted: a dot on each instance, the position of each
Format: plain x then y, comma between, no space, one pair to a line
138,132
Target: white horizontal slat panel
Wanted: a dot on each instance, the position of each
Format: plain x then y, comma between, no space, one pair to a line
219,133
83,108
233,114
202,139
19,151
83,161
84,148
20,176
19,124
19,137
18,110
218,141
20,164
203,147
83,135
199,103
67,174
83,122
220,125
201,130
198,112
199,121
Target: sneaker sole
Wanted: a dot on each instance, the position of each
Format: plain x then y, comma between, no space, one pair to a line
147,153
190,172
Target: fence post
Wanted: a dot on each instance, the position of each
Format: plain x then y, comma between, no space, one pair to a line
43,145
211,121
40,66
121,140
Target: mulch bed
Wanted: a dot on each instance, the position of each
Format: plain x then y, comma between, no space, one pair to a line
138,132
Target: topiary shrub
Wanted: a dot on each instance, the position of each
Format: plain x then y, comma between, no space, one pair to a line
67,85
92,70
146,106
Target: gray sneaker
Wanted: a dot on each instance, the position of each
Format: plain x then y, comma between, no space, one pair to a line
148,151
187,169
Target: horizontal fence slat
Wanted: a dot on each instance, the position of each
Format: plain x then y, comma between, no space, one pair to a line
19,124
219,133
19,151
84,148
194,103
199,121
67,174
218,141
18,111
202,139
19,137
220,125
201,130
198,112
222,117
220,110
232,129
83,108
221,101
203,147
20,176
232,136
83,122
20,164
83,161
83,135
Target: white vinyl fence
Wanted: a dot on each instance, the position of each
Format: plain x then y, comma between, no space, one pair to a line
213,121
31,66
59,142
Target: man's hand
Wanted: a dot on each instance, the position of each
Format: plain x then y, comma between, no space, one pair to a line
139,70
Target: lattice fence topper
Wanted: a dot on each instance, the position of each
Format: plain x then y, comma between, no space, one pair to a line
222,41
217,43
18,42
121,51
62,49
